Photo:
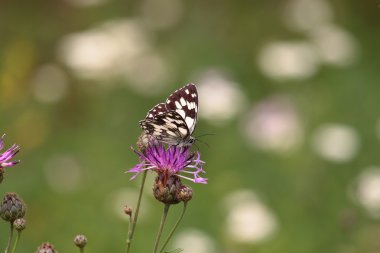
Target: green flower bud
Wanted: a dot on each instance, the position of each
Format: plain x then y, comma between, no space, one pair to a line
20,224
46,248
80,241
12,207
185,193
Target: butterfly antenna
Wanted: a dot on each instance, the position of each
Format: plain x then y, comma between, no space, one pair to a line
204,135
202,142
196,146
197,138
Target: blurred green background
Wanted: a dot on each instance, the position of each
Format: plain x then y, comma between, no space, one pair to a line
290,88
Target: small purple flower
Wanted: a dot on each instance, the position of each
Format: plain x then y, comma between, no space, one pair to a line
7,155
170,161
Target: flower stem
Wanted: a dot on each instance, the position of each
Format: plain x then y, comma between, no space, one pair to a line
132,225
163,219
16,242
175,227
10,238
81,250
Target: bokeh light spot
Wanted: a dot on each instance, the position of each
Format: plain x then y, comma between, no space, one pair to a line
273,125
151,83
103,51
248,219
220,98
49,84
288,60
86,3
368,191
161,14
63,173
304,15
336,142
334,45
194,240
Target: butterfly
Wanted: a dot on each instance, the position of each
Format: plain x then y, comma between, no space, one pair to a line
173,122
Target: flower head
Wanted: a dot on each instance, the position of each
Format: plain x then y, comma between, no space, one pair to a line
7,155
170,161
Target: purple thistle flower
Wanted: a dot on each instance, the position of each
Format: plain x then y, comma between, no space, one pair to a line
170,161
7,155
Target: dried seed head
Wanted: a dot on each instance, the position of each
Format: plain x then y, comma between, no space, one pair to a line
127,210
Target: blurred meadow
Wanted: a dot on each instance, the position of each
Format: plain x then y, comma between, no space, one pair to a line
290,88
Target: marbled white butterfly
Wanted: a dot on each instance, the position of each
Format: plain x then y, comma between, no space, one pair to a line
173,122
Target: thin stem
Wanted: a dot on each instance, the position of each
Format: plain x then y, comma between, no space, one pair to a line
10,237
129,232
81,250
163,219
132,226
16,242
175,227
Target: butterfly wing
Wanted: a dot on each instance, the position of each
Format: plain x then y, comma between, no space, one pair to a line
185,102
167,127
156,110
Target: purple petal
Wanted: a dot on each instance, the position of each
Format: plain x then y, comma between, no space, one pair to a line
200,180
172,160
9,164
2,141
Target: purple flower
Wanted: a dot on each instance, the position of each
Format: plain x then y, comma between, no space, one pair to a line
7,155
170,161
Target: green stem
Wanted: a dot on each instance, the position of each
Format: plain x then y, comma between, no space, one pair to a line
81,250
163,219
175,227
16,242
132,226
10,238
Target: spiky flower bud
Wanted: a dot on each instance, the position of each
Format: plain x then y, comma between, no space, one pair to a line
185,193
20,224
80,241
165,189
12,207
46,248
127,210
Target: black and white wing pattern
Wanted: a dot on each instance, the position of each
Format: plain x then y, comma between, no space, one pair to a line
156,110
185,102
174,121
